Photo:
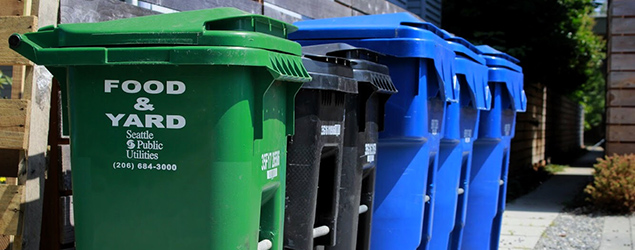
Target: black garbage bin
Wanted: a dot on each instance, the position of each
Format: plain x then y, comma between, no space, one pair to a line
316,153
366,116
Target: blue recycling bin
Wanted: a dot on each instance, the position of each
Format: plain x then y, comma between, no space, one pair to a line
421,66
455,153
488,176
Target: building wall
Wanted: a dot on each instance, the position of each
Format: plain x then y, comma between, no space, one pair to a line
620,99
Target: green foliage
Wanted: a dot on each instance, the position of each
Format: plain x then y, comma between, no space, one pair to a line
613,187
552,38
5,85
5,81
555,168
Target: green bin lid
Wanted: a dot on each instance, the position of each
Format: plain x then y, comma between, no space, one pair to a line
209,27
221,36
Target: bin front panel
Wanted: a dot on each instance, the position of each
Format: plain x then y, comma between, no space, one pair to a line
159,152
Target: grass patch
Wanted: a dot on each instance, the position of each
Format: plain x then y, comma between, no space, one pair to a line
555,168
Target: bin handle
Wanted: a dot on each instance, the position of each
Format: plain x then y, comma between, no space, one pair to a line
282,68
252,22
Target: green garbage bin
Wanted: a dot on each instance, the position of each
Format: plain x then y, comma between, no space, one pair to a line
178,125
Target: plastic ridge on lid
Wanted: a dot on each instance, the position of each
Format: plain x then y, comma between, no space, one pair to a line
428,26
495,58
487,50
469,49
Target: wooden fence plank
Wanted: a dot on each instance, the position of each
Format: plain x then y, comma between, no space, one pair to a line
621,80
10,200
314,9
622,7
620,115
81,11
14,123
10,25
11,8
345,2
17,87
619,148
622,61
620,133
246,5
621,97
371,7
622,44
622,25
273,12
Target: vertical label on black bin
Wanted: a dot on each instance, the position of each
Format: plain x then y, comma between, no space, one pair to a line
335,130
142,147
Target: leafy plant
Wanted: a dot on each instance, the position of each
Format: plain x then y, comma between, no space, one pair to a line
5,80
613,187
5,83
555,168
552,38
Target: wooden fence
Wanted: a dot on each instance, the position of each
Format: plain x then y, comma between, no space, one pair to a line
24,117
551,129
620,100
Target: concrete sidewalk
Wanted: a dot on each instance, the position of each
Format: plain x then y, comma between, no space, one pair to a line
527,217
618,233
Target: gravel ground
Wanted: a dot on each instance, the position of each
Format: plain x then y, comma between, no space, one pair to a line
576,230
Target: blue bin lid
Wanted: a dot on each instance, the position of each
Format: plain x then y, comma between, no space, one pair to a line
356,27
472,65
505,68
397,35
